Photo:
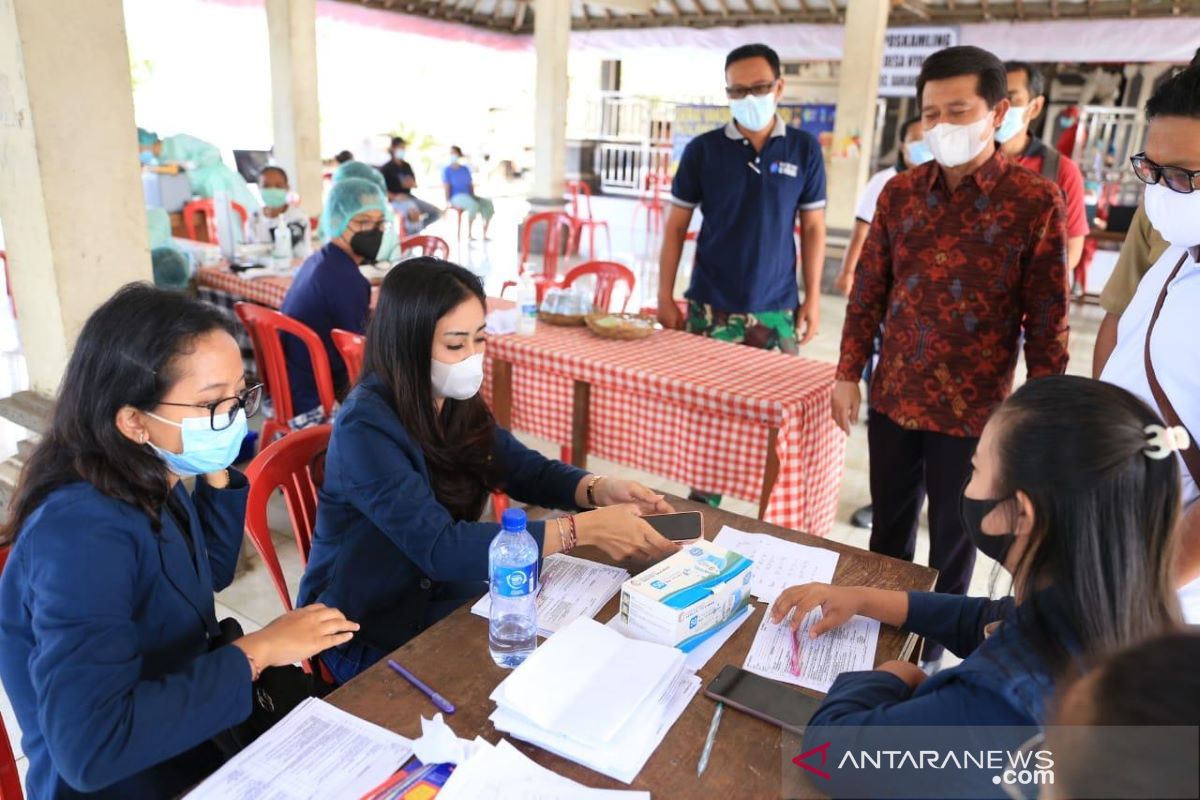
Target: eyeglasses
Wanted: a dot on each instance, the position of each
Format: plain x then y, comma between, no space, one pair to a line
1177,179
222,412
758,90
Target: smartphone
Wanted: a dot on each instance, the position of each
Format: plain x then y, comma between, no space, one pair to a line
684,526
761,697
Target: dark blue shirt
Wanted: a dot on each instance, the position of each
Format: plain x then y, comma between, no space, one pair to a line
385,551
328,292
746,251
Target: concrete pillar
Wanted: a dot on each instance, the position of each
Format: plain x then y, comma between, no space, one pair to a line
551,37
858,90
292,29
75,223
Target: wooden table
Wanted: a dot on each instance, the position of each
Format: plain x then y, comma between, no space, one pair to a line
746,760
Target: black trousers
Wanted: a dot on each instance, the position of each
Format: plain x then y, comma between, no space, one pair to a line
907,466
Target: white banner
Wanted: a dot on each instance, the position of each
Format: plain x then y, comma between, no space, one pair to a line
905,50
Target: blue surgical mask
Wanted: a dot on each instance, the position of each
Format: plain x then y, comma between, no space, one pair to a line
917,153
1014,123
455,160
204,450
754,113
398,154
147,157
274,198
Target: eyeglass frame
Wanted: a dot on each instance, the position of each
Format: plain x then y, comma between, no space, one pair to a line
240,403
742,92
1157,173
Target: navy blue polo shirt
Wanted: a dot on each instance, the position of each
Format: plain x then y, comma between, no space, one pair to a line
746,253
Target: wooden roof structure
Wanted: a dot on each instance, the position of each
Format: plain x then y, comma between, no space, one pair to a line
516,16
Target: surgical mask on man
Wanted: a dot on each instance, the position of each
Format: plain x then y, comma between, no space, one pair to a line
917,153
204,449
398,154
458,381
1174,215
754,112
274,198
1013,124
955,145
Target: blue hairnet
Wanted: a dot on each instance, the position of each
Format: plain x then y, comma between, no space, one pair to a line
357,169
348,198
170,267
146,138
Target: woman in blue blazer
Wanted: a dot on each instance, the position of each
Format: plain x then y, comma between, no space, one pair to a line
398,543
1075,492
106,601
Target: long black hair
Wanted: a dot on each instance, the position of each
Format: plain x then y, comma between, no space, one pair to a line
458,443
125,356
1104,512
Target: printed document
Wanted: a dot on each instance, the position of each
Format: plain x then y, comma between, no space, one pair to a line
779,564
849,648
570,588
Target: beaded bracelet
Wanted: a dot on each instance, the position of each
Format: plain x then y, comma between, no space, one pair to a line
574,533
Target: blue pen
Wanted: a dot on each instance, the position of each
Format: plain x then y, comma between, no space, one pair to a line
438,700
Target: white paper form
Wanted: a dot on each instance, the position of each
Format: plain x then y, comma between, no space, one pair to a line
779,564
701,653
503,772
848,648
316,751
570,588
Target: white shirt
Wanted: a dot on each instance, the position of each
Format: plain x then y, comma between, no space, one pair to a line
870,195
262,230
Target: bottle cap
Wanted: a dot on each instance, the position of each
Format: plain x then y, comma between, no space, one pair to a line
513,520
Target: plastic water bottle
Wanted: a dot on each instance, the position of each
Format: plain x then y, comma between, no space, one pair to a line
512,571
281,254
527,307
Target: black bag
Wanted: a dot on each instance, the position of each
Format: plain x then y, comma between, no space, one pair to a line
276,692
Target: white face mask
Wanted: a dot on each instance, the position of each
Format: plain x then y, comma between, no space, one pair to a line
955,145
1176,216
1014,123
754,113
458,381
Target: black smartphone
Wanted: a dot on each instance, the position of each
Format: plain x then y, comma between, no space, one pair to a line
683,526
761,697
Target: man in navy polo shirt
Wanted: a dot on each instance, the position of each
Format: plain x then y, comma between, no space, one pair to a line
750,179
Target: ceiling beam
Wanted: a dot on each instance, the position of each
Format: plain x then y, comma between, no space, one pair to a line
833,9
803,6
519,17
721,4
987,15
1020,9
915,7
778,9
1054,8
701,11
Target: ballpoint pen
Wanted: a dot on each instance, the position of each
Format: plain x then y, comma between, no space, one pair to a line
438,700
708,743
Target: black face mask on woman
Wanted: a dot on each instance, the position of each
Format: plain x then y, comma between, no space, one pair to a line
972,512
366,244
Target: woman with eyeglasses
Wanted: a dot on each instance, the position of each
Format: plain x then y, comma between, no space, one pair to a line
328,290
107,618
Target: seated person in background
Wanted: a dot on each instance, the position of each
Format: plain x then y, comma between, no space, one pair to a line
202,163
414,454
1074,492
401,180
107,622
343,157
389,251
329,291
1154,686
276,211
460,191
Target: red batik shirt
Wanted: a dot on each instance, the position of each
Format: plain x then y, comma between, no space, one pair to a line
952,277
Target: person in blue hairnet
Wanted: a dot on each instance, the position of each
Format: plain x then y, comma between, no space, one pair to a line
329,291
201,162
389,251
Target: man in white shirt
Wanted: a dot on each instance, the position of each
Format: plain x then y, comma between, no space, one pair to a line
1164,307
276,211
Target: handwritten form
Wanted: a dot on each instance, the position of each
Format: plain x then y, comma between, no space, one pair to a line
779,564
849,648
570,588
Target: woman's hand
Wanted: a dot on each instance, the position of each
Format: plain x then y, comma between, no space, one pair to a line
613,491
837,604
298,635
622,534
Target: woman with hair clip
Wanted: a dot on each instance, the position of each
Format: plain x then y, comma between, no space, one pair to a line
415,452
107,621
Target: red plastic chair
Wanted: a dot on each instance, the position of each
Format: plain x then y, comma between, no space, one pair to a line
353,347
294,465
265,326
652,202
608,274
586,220
552,242
10,779
432,246
204,205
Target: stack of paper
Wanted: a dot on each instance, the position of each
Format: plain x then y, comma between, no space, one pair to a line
591,695
570,588
505,773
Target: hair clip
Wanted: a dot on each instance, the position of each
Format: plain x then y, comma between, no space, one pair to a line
1162,441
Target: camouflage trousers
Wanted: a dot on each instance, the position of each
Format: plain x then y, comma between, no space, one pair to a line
766,330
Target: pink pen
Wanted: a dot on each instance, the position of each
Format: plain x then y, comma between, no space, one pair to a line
796,652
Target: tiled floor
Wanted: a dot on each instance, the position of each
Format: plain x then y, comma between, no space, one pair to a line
252,598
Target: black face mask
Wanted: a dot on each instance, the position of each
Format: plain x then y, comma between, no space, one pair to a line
366,244
971,512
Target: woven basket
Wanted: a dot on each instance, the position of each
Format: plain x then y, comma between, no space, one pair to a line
626,329
565,320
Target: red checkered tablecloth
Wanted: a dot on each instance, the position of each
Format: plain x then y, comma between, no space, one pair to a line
266,291
691,409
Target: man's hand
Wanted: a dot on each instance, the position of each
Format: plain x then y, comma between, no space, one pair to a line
808,320
846,400
844,283
669,315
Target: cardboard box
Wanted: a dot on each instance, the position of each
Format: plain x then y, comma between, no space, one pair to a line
680,600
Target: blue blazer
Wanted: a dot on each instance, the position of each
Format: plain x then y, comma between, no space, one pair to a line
104,642
385,551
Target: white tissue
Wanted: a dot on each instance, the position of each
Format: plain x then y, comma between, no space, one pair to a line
439,745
